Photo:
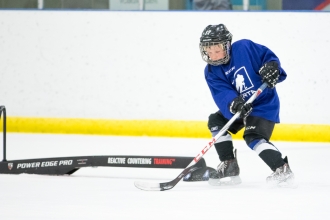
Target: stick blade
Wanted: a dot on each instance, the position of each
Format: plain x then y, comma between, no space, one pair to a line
147,186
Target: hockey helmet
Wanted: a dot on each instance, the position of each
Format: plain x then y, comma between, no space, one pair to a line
215,35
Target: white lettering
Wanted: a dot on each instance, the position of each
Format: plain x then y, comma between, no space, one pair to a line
65,162
139,161
230,70
28,165
44,164
116,160
248,94
49,164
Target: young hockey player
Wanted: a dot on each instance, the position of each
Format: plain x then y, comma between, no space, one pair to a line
233,73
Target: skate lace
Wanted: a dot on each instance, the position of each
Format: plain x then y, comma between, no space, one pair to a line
222,166
280,172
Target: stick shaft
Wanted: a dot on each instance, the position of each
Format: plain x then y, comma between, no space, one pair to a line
190,168
226,127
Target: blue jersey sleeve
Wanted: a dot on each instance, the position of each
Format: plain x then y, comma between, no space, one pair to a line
266,55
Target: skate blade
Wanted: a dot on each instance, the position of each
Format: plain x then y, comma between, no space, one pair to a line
288,183
228,181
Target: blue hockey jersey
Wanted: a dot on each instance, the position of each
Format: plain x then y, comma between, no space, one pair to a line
240,76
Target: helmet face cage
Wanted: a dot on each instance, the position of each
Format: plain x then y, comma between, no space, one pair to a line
215,35
225,46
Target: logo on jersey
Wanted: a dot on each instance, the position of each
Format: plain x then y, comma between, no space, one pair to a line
242,80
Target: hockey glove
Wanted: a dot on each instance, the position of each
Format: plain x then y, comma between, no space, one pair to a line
270,73
238,105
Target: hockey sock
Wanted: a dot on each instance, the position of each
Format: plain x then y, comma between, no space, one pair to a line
225,150
268,153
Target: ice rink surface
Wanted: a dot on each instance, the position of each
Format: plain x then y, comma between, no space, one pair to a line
109,193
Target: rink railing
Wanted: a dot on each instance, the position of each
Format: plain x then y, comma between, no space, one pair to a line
3,109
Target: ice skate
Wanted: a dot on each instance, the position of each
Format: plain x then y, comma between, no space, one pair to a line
227,173
282,177
200,174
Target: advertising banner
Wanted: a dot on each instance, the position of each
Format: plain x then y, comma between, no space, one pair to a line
139,5
306,5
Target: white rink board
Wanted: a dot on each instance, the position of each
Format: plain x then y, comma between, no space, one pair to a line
146,65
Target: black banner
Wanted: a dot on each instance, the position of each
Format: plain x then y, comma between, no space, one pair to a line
69,165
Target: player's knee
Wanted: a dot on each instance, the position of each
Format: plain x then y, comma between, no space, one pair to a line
261,146
254,139
215,123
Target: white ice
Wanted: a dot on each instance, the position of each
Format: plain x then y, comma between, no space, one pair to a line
109,193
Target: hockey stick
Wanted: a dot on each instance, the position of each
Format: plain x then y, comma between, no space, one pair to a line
190,168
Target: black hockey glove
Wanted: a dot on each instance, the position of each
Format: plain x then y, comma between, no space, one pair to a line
238,105
270,73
